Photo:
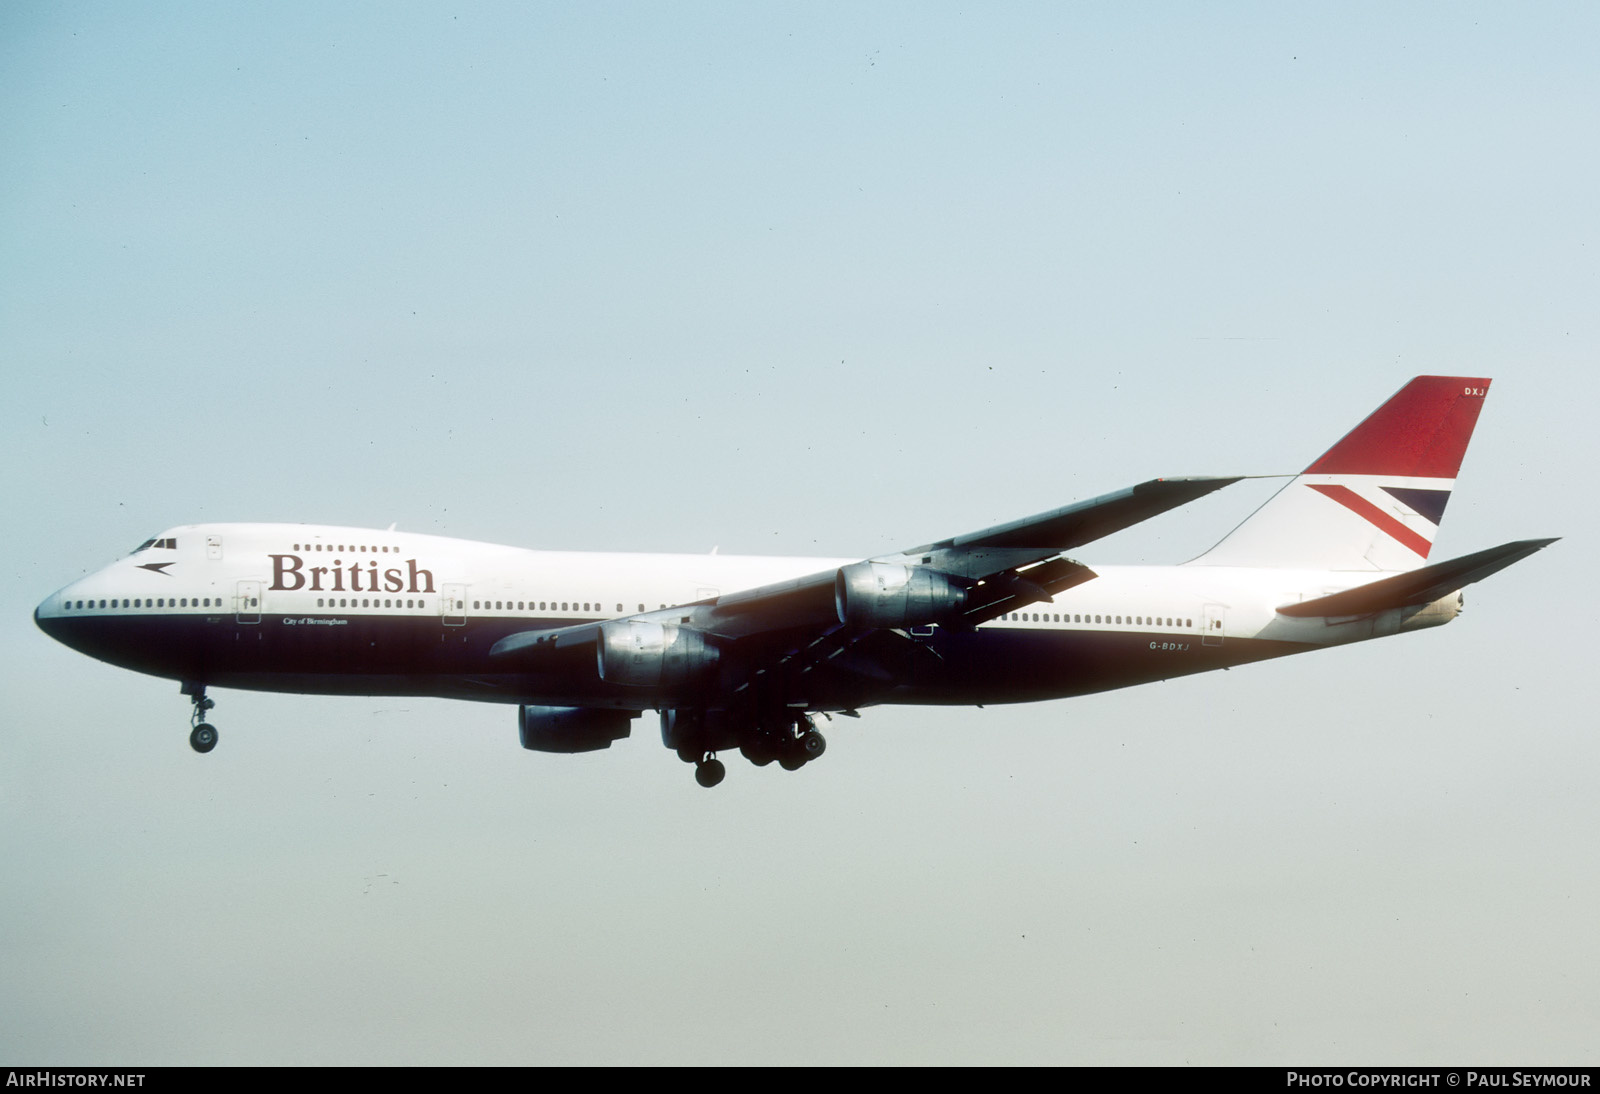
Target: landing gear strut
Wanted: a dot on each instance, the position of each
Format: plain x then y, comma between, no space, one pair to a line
203,738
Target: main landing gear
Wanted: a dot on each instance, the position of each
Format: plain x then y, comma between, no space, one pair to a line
203,737
793,744
788,737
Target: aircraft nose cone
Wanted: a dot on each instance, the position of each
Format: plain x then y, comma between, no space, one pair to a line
48,618
45,623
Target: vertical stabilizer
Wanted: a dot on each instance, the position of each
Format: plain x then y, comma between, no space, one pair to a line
1374,500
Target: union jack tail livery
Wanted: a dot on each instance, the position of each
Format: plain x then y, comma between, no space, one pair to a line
1374,500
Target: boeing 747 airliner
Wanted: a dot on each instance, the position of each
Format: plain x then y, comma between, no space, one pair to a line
745,652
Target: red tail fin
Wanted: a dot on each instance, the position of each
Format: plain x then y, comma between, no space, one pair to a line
1421,432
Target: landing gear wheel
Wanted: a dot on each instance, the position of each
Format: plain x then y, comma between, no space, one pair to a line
758,752
709,772
801,750
812,744
203,738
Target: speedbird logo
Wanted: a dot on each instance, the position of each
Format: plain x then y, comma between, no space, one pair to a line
289,573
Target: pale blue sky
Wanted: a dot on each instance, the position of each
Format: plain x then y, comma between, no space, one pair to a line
796,279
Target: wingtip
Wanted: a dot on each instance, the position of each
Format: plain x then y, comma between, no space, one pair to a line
1189,487
1528,546
1209,482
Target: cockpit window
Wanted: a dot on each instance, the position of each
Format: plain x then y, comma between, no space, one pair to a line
170,542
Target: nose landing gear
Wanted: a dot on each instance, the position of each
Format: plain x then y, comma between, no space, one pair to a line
203,737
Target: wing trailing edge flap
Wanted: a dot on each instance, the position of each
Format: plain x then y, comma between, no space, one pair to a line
1418,587
994,597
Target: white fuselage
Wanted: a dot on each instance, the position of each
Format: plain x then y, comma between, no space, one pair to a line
344,610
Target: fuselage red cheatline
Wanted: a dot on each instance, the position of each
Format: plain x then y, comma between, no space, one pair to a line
741,652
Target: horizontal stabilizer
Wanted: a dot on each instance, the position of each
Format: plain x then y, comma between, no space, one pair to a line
1422,586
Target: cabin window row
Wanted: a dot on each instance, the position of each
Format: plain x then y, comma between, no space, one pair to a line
143,602
543,606
353,548
367,602
1115,620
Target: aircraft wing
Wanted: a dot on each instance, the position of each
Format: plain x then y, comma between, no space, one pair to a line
1032,539
964,580
1001,568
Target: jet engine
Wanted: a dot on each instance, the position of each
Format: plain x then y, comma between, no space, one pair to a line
887,594
644,653
572,729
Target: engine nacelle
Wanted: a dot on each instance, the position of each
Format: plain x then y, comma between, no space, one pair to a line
572,729
887,594
644,653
